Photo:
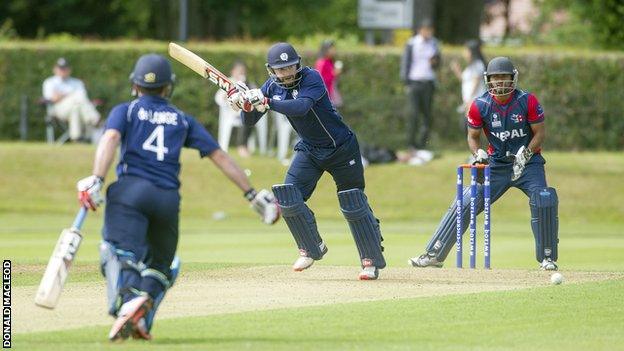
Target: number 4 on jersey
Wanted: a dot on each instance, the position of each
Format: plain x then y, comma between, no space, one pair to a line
159,148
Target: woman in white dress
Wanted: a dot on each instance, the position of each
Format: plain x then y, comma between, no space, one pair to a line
471,77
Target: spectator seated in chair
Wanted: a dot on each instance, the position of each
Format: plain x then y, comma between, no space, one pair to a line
57,131
67,101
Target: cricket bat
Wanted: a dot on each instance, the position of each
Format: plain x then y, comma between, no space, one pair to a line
61,260
200,66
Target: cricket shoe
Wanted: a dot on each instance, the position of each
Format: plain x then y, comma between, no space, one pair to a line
140,330
305,262
369,272
128,316
548,265
425,260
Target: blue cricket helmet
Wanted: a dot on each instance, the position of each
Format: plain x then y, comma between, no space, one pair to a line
152,71
282,55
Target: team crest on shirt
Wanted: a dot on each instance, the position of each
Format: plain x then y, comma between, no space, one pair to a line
496,123
295,92
517,118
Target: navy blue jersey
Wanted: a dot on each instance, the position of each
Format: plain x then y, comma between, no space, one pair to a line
153,133
320,125
506,126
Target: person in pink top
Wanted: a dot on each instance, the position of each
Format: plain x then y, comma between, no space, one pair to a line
330,69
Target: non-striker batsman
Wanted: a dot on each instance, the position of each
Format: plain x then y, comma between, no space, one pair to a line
140,233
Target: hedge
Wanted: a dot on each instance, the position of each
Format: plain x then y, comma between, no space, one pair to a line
582,93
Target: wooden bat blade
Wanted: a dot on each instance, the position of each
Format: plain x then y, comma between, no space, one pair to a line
58,268
199,66
189,59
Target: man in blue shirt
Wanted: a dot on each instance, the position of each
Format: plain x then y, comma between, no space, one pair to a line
141,218
327,145
513,123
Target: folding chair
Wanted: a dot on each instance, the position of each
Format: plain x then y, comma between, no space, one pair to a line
53,124
56,126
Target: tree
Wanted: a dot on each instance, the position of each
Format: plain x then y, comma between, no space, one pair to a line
606,18
592,22
458,21
33,18
158,19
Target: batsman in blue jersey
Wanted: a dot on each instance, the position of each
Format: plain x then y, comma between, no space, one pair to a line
327,145
140,233
513,123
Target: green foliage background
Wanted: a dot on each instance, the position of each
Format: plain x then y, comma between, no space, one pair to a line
581,92
159,19
594,23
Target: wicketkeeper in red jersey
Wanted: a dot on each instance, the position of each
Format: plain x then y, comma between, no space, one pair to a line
513,123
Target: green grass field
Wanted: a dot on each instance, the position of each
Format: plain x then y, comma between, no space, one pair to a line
513,307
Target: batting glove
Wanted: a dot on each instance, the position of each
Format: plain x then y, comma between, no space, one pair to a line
257,99
89,192
264,204
521,158
236,97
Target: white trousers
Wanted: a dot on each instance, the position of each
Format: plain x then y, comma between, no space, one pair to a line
77,110
229,119
284,129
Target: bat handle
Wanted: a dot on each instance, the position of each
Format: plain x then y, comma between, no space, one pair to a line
80,217
241,86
